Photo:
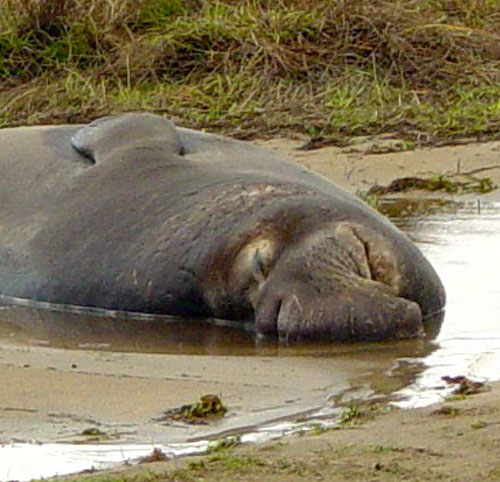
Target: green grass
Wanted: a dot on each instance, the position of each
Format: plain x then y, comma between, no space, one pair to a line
426,69
350,415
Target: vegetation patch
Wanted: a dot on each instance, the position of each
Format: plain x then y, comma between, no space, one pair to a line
223,444
405,208
441,183
208,408
479,424
447,411
95,435
426,69
465,386
350,415
157,455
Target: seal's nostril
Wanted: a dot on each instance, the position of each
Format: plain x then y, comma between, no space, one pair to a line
275,314
267,316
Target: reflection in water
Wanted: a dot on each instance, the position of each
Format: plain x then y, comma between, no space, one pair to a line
120,332
99,330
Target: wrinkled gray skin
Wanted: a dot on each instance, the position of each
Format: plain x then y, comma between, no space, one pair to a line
131,213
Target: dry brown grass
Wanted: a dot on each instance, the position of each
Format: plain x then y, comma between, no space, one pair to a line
421,67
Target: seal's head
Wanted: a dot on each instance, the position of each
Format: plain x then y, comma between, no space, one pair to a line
341,280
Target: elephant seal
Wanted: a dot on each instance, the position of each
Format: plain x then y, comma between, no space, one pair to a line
132,213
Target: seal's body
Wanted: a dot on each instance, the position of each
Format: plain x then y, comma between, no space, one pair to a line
132,213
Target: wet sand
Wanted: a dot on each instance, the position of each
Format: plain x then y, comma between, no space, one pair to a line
53,393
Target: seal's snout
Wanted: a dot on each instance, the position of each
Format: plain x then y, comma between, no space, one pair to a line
343,318
352,313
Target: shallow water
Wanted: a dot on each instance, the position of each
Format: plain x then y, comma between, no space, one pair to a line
463,245
461,241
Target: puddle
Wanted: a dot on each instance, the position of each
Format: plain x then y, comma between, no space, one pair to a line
266,384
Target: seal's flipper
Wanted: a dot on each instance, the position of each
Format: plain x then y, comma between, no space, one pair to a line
104,137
